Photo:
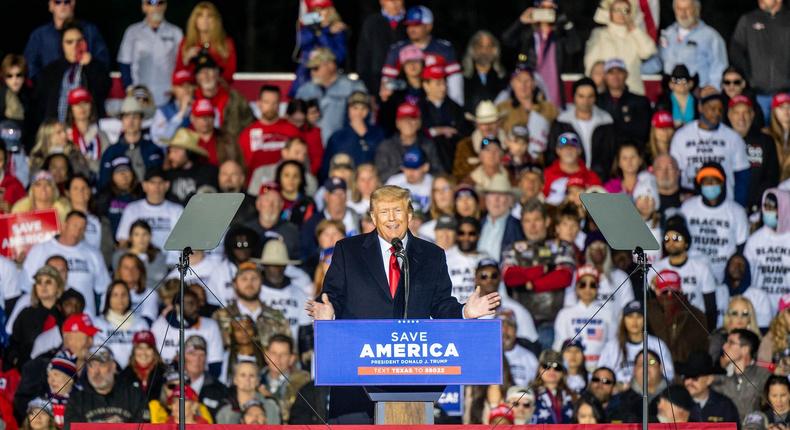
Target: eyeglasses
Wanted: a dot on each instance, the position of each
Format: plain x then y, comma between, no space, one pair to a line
732,82
679,81
552,366
172,386
14,75
62,2
243,244
464,233
673,237
521,404
744,314
587,284
604,381
492,276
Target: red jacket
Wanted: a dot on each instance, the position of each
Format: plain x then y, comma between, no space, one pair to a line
554,172
315,148
11,189
261,143
228,64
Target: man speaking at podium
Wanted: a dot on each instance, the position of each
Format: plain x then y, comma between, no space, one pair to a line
366,281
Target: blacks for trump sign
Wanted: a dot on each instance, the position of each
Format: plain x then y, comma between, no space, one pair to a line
408,352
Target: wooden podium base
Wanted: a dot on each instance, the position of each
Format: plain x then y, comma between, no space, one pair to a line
404,413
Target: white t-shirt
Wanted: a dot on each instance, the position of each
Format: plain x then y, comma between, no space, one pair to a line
93,232
692,147
538,128
461,268
716,232
162,218
149,308
523,365
768,253
290,301
87,271
586,129
612,357
152,56
214,273
9,280
596,333
525,325
420,193
696,278
121,342
205,327
606,287
762,305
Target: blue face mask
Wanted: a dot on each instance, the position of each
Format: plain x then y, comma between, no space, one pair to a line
770,219
711,192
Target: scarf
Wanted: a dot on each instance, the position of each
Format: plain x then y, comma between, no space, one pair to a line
71,79
91,148
142,373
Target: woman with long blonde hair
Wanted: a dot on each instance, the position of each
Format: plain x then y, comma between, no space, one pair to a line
774,347
779,130
52,138
740,314
204,30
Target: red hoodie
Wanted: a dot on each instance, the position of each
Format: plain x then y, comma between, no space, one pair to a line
554,172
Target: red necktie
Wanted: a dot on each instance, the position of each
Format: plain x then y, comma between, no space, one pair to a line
650,25
394,272
393,24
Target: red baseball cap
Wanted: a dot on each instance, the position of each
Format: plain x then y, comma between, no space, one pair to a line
662,119
189,392
144,336
79,95
434,72
780,99
784,302
315,4
79,323
739,99
183,76
268,186
203,107
501,413
668,280
587,270
407,110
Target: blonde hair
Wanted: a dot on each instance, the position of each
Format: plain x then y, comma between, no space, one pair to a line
40,150
778,332
390,193
777,133
217,38
752,327
34,300
356,196
435,210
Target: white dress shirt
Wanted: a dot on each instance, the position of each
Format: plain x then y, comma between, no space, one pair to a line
385,254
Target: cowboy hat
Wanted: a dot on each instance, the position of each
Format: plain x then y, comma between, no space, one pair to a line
188,140
274,254
486,112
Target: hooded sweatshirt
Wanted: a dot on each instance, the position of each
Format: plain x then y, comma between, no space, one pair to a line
768,252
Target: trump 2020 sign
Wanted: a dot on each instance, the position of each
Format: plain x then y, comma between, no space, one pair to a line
408,352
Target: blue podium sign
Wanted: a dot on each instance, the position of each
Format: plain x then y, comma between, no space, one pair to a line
408,352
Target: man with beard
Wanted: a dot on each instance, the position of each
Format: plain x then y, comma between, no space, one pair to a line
262,141
697,279
269,225
101,400
230,178
759,147
691,42
462,258
483,72
707,139
537,270
247,290
673,318
187,170
284,286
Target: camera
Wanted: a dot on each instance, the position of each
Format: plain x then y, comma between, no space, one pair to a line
311,18
544,15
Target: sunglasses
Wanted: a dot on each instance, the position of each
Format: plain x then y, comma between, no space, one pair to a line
521,404
492,276
604,381
172,386
623,10
552,366
673,237
587,284
732,82
744,314
463,233
679,81
14,75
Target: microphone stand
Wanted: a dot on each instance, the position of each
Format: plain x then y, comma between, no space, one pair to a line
403,255
644,266
183,266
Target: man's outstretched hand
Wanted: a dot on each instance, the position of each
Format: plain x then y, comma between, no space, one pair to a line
322,310
477,306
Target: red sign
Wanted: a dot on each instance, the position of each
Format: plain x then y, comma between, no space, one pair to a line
19,232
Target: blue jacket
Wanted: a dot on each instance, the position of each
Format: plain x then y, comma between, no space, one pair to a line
311,38
43,46
362,149
152,156
703,51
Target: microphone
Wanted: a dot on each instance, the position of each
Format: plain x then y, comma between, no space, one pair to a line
401,252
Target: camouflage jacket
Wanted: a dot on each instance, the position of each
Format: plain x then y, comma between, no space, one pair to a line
550,253
269,322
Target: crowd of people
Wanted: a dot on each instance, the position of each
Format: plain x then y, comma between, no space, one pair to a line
495,160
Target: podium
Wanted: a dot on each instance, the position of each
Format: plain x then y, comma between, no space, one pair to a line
404,365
